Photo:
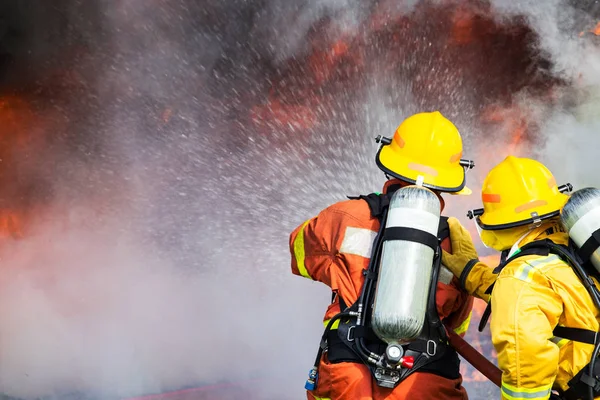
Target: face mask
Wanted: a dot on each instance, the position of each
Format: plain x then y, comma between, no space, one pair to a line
503,239
479,230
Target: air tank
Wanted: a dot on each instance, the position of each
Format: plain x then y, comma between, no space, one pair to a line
580,217
406,267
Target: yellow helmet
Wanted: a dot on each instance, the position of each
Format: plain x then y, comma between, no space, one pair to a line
426,148
517,192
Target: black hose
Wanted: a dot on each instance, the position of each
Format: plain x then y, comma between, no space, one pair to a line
588,283
591,369
324,337
365,293
432,315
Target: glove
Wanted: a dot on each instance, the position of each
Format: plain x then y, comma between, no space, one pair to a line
463,250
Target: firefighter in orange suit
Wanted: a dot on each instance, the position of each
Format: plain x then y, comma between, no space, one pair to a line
536,297
335,248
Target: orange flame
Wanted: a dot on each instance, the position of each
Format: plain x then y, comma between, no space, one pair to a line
514,120
463,26
166,115
11,226
595,31
275,113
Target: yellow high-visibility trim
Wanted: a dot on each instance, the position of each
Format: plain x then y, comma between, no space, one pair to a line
525,271
560,342
334,325
462,328
514,393
299,252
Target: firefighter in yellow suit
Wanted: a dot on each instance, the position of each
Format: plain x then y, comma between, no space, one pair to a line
533,294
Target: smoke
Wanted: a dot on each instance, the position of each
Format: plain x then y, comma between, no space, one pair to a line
159,153
144,266
567,124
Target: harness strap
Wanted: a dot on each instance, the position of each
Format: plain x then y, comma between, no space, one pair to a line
485,317
534,248
580,383
411,235
435,355
377,202
590,246
444,363
576,334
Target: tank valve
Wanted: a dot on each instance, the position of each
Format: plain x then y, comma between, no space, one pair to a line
394,354
407,362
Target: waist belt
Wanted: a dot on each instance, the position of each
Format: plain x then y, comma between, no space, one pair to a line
447,365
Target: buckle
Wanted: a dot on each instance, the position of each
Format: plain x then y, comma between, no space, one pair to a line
350,330
590,381
433,346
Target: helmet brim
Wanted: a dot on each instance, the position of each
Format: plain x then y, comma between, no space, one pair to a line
451,180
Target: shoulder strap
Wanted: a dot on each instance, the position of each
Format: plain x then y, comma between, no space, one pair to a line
444,228
539,247
590,246
543,248
377,202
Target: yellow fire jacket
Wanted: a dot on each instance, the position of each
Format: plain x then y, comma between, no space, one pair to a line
532,295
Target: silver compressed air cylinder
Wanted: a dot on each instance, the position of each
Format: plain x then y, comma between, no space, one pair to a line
406,266
580,217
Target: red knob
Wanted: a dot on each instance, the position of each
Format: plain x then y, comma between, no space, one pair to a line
407,362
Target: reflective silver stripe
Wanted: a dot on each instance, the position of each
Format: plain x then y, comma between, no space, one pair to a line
560,342
524,272
542,394
445,275
538,261
514,394
555,339
358,241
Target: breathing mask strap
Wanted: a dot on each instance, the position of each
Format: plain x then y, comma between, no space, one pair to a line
515,247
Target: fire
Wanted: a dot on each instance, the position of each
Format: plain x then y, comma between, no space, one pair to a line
336,66
463,26
23,137
514,121
166,115
594,31
276,114
326,62
11,226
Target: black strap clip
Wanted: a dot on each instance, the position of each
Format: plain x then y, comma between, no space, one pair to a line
590,381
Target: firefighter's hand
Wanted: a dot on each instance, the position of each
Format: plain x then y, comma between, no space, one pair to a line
463,249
